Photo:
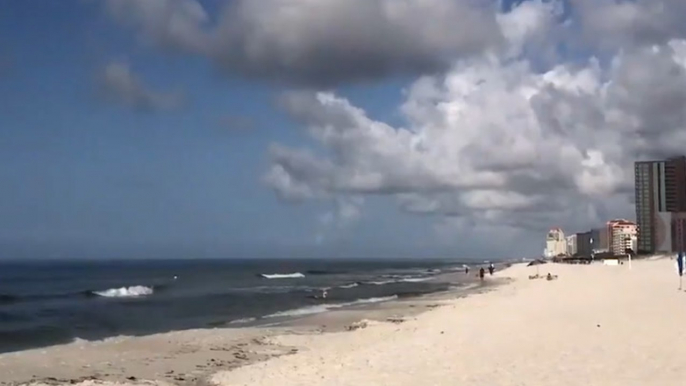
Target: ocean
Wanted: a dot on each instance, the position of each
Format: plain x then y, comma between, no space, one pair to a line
45,303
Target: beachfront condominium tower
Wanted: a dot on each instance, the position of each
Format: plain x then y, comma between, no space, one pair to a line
622,236
555,243
660,192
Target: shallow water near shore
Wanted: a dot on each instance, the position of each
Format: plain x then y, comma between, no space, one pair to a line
47,303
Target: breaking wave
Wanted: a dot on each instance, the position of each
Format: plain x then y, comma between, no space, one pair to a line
125,292
242,321
414,279
294,275
399,280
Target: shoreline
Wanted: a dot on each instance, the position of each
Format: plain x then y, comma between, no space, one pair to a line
222,294
190,357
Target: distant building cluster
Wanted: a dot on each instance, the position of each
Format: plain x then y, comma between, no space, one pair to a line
660,226
617,237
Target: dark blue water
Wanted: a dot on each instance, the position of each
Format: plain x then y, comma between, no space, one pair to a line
45,303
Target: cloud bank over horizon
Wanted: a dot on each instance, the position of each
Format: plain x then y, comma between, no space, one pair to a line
521,116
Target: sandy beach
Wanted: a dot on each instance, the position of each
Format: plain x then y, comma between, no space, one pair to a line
595,325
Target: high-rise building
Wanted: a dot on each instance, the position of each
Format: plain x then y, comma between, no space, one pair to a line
600,240
622,235
660,187
670,230
555,243
649,192
583,244
675,184
571,245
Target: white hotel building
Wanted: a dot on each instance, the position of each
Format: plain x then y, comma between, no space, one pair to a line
555,243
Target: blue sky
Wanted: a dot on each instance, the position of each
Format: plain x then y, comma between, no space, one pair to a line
80,175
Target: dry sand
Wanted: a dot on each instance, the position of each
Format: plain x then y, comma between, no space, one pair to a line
595,325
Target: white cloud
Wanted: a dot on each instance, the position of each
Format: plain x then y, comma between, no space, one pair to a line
497,144
618,23
334,223
171,24
120,85
519,120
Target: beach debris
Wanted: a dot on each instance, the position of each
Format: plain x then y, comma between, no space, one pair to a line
357,325
262,341
396,319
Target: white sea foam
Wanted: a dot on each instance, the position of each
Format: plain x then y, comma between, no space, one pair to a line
400,280
351,285
295,275
242,321
414,279
309,310
381,282
126,292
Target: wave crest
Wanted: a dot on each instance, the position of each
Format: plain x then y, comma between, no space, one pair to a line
294,275
125,292
400,279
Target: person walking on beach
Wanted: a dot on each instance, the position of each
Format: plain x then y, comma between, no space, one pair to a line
482,273
491,269
466,270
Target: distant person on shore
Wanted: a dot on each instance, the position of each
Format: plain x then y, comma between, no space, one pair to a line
491,269
466,270
482,273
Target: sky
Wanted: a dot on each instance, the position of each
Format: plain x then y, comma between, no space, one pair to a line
328,128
